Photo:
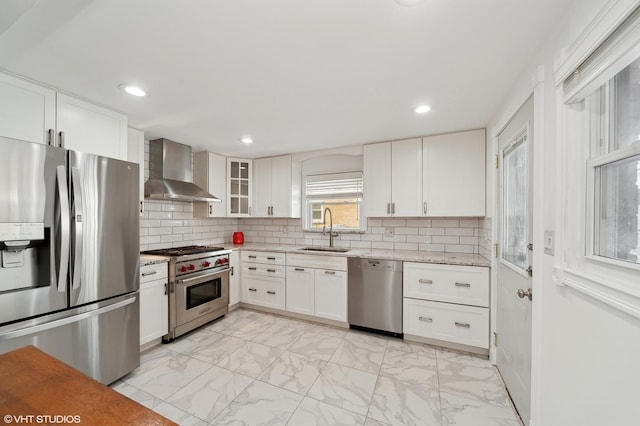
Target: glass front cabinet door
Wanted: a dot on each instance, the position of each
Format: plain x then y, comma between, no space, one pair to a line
239,190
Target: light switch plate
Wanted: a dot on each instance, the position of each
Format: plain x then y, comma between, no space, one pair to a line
389,230
548,242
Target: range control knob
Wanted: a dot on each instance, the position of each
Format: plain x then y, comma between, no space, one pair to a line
206,264
192,267
218,262
183,268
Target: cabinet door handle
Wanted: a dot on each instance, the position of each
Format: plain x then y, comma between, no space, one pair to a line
463,325
271,270
424,207
271,292
231,271
61,139
393,208
210,209
299,269
271,258
423,281
425,319
463,285
268,210
141,206
252,289
51,137
252,268
330,272
251,257
165,289
388,208
145,274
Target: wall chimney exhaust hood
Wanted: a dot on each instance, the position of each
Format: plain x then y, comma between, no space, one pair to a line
171,173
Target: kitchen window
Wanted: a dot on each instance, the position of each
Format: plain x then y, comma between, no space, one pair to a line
340,192
613,172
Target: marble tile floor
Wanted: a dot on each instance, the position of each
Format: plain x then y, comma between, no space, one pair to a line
253,368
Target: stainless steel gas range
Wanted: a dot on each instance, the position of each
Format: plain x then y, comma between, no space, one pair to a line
198,286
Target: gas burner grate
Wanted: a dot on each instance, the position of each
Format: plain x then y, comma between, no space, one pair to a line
182,251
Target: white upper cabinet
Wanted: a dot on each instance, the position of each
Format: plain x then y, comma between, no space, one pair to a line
239,181
210,174
275,188
85,127
454,174
377,179
27,111
393,178
135,154
406,177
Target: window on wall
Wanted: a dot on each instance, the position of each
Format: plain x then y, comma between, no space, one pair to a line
614,168
341,193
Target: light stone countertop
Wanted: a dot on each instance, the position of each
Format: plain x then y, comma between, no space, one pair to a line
464,259
148,259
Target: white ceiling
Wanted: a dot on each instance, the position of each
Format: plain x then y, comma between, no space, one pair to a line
297,75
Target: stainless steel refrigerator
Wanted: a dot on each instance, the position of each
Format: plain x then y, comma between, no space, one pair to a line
69,248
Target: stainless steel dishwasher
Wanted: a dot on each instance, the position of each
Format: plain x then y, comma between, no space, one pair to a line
375,294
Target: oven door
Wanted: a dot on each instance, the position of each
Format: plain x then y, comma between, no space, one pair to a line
199,294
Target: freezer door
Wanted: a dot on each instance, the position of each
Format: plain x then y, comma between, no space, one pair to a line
34,247
101,339
104,227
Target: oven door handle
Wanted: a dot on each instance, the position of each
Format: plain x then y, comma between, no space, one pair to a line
200,279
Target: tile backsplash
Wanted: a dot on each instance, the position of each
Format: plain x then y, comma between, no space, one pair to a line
170,224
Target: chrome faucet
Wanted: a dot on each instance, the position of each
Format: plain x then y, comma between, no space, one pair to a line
324,220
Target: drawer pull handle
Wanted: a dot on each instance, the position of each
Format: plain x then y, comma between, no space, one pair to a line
463,285
252,268
422,281
271,292
144,274
299,269
252,289
425,319
271,270
271,258
251,257
463,325
330,272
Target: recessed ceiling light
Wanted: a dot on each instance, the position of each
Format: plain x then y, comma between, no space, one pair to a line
246,140
422,109
132,90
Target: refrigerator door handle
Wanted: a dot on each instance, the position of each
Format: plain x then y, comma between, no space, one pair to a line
64,321
78,213
63,198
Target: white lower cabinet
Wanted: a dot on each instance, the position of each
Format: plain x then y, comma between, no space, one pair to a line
317,286
263,279
154,302
465,325
300,290
234,278
448,303
331,294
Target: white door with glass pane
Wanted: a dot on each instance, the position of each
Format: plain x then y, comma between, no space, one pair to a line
513,348
239,187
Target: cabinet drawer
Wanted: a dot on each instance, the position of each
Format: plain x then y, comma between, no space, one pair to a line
337,263
263,257
264,291
263,270
468,285
153,272
467,325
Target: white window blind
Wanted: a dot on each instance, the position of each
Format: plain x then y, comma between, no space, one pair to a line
339,185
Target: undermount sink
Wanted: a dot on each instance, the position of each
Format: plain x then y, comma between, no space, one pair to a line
331,249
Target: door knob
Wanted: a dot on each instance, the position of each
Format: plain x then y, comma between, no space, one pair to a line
522,293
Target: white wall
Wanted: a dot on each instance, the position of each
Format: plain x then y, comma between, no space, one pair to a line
586,369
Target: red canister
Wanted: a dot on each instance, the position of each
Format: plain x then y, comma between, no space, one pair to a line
238,238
